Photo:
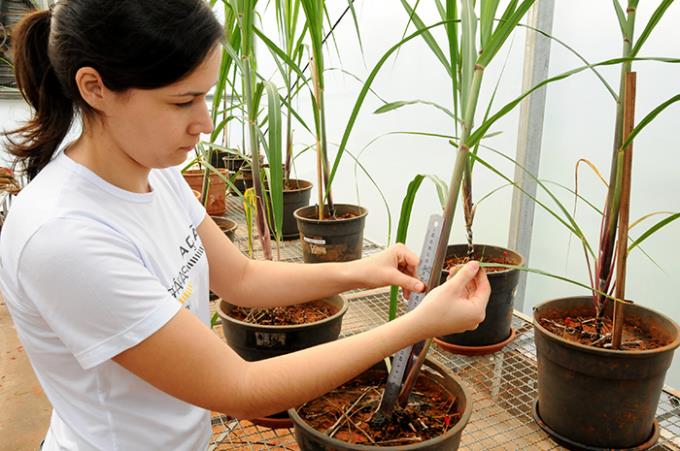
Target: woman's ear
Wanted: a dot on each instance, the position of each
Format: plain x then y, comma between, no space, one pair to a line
91,87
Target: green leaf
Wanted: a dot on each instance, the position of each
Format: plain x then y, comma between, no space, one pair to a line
271,45
400,103
275,158
648,119
356,26
484,127
653,22
427,36
649,232
468,54
623,21
578,55
402,228
500,35
551,275
486,19
451,17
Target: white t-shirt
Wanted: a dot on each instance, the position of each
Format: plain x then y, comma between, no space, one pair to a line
89,270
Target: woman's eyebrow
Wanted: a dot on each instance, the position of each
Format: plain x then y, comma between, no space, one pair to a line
189,93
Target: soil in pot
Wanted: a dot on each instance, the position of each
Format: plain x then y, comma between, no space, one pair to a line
495,331
285,316
504,259
336,239
345,418
586,331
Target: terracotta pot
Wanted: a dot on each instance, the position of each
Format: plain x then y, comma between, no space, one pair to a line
216,194
331,240
594,398
310,439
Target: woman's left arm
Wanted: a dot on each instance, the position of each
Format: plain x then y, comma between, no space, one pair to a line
253,283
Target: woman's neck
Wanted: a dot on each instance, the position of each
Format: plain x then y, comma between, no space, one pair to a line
97,152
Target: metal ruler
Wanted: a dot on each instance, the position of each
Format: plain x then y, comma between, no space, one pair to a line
405,358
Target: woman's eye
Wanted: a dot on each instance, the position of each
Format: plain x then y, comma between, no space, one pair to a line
184,104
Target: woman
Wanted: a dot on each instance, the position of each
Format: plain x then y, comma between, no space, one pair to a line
107,259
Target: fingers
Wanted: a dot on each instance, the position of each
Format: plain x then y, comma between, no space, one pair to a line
408,283
465,274
483,289
407,259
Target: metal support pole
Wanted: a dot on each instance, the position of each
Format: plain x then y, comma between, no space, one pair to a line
530,133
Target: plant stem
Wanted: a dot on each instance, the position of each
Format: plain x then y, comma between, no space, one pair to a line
624,213
289,140
459,168
468,123
321,149
319,171
604,265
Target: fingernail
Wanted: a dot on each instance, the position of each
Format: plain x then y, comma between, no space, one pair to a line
473,265
419,286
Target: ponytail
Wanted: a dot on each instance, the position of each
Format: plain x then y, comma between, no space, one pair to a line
34,144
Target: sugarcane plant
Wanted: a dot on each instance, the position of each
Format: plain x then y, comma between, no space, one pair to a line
613,248
314,11
291,37
465,66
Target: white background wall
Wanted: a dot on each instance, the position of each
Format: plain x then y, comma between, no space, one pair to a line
578,123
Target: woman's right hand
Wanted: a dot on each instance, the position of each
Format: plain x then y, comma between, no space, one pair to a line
457,305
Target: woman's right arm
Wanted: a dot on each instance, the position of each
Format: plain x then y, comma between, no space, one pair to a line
187,360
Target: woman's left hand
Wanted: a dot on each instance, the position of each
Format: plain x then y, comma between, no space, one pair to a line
394,266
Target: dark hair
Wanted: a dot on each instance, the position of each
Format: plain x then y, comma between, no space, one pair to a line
131,43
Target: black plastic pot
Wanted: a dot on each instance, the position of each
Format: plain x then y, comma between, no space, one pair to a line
331,240
294,199
593,398
218,158
310,439
240,170
232,162
255,342
497,325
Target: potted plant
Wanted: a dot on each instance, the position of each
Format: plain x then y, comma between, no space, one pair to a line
602,359
328,231
465,63
470,85
345,419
